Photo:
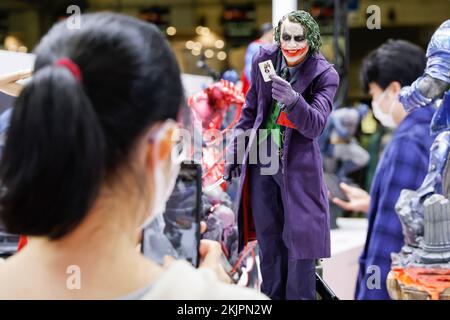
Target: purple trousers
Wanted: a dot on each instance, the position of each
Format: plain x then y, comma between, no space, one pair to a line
282,277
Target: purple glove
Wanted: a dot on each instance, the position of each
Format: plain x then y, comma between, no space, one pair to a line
283,92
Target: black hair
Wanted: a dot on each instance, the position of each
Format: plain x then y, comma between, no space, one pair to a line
395,60
67,137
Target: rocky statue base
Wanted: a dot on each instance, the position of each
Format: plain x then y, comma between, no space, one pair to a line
423,272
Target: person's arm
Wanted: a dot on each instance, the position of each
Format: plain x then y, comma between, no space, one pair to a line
310,118
358,199
8,82
409,163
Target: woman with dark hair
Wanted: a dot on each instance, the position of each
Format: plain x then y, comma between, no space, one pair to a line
88,162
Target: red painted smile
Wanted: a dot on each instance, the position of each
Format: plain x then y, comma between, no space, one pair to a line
293,53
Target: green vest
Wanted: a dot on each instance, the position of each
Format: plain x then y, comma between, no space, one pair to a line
271,123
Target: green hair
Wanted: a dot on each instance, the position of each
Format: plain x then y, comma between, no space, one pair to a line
308,22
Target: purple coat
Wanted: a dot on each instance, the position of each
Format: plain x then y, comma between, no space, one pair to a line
306,193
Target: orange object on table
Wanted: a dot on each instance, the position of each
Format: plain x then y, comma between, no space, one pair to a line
433,281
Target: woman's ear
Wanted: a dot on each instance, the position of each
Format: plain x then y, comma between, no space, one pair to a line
165,145
162,145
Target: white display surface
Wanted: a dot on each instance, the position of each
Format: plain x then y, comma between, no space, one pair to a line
15,61
193,83
280,8
347,242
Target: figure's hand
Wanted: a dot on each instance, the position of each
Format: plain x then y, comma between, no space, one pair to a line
232,170
8,82
282,91
211,254
359,199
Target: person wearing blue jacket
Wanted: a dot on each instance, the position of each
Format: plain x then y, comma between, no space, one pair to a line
403,164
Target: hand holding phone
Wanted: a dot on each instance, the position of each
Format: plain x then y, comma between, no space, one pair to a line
358,199
176,233
332,182
213,258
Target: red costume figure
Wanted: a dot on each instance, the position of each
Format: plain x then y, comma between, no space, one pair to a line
210,107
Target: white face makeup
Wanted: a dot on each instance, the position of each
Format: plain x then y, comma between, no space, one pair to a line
293,42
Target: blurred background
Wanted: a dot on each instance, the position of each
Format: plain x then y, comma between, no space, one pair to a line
220,30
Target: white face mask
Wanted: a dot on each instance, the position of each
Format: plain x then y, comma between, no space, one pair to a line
386,119
164,178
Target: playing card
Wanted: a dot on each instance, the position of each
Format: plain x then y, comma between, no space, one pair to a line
267,69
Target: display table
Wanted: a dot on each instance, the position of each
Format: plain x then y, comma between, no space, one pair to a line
347,242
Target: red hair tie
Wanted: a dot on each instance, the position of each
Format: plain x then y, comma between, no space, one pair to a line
71,66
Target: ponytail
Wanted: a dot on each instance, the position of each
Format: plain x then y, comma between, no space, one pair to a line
54,157
75,125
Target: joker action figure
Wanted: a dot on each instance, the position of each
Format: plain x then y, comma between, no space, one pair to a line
288,210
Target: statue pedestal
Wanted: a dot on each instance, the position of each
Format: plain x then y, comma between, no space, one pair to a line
399,291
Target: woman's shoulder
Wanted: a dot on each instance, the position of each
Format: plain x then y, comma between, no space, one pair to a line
183,282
